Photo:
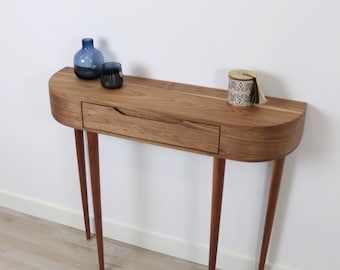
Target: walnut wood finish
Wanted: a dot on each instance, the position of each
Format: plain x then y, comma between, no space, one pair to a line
178,133
272,201
257,133
186,117
216,205
79,138
92,139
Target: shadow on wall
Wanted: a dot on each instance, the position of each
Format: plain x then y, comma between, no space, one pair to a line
105,48
136,69
271,86
139,71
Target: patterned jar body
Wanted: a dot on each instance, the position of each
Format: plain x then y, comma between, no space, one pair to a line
241,88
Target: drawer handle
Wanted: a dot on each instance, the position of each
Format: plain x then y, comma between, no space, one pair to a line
147,116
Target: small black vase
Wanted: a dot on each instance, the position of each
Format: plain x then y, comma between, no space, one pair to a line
112,75
88,61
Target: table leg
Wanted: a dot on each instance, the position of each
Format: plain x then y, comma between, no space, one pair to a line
217,194
95,182
272,201
79,138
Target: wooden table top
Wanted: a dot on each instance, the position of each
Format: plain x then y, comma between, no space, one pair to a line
255,133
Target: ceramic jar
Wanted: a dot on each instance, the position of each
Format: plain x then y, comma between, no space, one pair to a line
242,87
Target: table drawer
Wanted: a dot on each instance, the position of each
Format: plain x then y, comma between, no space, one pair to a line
152,128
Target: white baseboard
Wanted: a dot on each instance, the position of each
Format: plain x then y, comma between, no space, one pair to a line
131,235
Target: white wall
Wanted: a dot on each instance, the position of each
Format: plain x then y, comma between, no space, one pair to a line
292,45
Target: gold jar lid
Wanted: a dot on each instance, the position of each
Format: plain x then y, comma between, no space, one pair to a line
242,75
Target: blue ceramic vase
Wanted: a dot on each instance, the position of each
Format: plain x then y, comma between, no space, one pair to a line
88,61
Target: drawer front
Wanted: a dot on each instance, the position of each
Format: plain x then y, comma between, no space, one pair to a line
152,128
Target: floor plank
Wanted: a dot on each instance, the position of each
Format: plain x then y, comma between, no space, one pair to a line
29,243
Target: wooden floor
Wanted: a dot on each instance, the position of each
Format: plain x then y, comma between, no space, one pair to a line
29,243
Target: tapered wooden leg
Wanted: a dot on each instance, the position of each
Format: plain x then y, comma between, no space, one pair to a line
95,182
272,201
217,194
79,138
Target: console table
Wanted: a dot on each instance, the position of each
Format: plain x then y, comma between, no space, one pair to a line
180,116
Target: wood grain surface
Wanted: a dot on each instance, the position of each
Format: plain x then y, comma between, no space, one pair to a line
29,243
256,133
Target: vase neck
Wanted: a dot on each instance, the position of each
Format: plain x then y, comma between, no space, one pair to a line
87,43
